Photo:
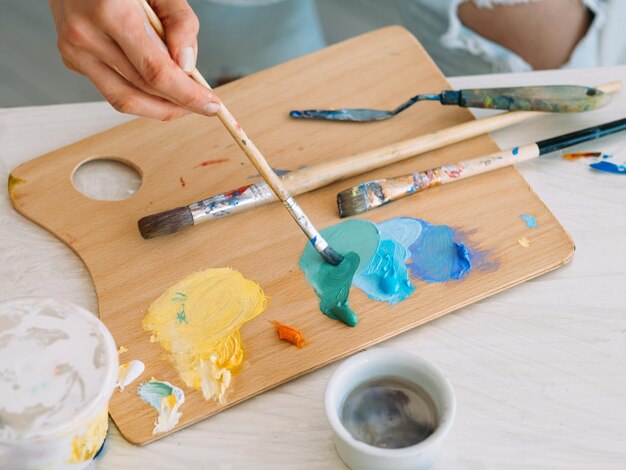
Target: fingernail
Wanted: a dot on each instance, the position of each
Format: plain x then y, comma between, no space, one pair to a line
186,59
212,108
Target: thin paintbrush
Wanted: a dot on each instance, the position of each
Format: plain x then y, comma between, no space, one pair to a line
376,193
323,174
549,98
259,162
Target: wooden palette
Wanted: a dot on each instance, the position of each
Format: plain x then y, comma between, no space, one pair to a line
379,69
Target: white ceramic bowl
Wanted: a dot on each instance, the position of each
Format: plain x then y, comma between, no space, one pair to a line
388,363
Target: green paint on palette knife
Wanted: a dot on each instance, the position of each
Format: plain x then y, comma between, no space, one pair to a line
555,98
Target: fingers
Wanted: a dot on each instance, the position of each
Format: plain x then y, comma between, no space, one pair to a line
125,97
181,31
113,44
144,50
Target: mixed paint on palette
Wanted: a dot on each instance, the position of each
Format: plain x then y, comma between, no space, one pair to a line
166,399
381,259
197,321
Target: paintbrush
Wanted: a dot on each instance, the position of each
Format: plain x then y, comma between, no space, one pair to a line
550,98
323,174
182,218
376,193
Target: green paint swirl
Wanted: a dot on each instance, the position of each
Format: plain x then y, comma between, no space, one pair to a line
357,240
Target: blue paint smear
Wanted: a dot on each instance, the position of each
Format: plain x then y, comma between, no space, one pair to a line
609,167
531,222
386,277
515,150
481,259
436,257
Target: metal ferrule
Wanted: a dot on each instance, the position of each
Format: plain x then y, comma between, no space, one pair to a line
305,224
233,202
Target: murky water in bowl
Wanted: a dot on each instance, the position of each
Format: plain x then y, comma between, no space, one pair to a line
389,412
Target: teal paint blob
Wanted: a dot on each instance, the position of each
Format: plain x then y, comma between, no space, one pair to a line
333,288
386,277
436,257
357,240
152,392
609,167
530,221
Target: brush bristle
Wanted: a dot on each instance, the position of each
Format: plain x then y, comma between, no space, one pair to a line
331,256
166,222
353,201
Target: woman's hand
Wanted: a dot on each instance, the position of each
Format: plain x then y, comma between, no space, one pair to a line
112,43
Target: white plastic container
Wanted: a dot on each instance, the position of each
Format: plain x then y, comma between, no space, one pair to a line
376,363
58,369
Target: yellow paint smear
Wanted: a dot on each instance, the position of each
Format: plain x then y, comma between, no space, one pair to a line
198,320
84,447
13,182
524,242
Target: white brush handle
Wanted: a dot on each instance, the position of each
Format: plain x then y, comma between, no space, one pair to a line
492,161
392,189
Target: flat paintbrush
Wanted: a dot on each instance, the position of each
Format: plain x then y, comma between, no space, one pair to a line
259,162
367,196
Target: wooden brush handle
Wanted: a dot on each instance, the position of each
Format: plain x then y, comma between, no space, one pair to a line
401,186
228,120
323,174
486,163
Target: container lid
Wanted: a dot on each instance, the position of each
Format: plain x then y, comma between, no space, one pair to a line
58,367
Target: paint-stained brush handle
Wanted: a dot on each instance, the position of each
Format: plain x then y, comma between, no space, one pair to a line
549,98
372,194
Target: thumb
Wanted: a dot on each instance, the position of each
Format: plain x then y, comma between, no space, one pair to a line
181,31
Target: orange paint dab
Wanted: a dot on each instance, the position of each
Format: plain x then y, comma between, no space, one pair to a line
576,156
290,334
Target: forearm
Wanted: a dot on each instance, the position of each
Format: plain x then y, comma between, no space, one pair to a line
543,33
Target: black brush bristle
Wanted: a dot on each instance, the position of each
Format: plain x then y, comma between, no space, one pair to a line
352,201
331,256
166,222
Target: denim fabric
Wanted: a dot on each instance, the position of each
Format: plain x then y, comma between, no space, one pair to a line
237,40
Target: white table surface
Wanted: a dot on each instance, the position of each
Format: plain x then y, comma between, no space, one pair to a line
539,371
